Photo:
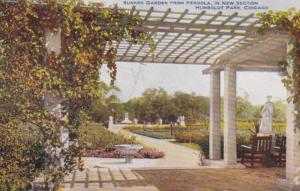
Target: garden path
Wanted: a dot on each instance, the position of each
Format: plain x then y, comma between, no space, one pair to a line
176,156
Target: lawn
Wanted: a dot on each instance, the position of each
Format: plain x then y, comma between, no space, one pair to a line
258,179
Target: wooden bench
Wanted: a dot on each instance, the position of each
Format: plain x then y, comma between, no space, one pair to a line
279,151
258,152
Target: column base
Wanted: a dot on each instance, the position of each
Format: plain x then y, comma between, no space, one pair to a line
221,164
284,184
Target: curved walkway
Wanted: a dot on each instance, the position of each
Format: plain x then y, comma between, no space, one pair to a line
176,156
115,175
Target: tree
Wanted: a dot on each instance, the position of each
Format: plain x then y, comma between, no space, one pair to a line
154,104
106,104
191,106
157,103
245,110
29,72
279,110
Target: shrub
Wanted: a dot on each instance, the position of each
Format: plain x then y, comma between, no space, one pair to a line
97,136
278,126
147,127
102,153
190,137
153,135
152,154
100,143
22,156
241,139
204,145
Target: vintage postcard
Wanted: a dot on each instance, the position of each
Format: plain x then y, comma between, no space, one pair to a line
150,95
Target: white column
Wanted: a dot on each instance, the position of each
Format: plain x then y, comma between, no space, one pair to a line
293,140
53,103
230,155
215,114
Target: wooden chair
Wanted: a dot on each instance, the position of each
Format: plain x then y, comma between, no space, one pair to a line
279,151
258,151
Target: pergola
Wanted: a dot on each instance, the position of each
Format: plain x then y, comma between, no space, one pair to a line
223,42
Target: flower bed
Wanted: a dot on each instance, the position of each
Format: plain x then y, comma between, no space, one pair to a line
102,153
190,137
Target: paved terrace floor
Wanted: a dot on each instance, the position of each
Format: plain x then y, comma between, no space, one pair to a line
105,179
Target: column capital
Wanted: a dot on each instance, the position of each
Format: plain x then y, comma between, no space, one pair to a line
230,67
215,70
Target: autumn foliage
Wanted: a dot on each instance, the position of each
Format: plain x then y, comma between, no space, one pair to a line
288,22
29,133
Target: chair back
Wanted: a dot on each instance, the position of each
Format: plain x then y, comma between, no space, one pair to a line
261,144
281,143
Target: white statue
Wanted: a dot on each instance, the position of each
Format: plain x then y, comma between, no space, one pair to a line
126,119
267,117
182,121
110,121
160,121
135,121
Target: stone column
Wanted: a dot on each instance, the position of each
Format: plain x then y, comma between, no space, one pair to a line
293,139
215,115
53,41
53,103
230,155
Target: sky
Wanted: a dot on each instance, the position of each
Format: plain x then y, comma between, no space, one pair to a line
134,78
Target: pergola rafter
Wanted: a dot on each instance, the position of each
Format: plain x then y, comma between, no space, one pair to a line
190,38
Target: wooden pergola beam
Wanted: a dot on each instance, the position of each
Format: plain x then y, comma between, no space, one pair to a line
202,38
188,31
149,59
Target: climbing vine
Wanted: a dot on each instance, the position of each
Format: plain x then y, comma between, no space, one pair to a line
287,21
28,72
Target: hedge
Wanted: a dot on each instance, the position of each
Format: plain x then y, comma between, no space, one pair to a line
96,136
153,135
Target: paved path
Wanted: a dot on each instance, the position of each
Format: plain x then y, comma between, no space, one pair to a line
175,155
105,179
115,175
